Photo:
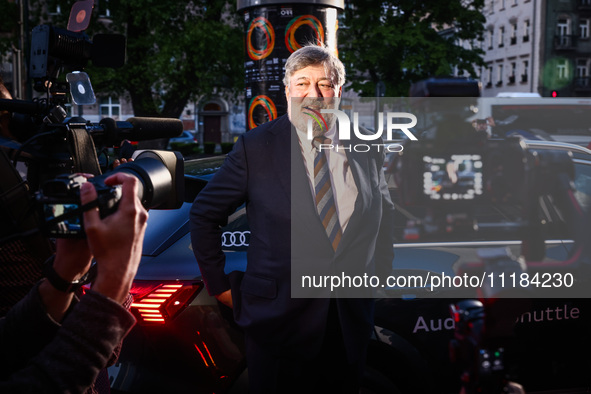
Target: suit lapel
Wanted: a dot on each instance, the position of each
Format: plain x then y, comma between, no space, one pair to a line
293,177
303,207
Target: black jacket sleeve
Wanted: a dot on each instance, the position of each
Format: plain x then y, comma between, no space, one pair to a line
224,193
41,356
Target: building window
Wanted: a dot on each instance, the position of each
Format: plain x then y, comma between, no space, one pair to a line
54,8
489,76
563,31
562,69
513,72
500,75
502,4
110,107
501,36
513,33
104,11
582,72
525,67
582,68
492,6
584,28
526,30
491,35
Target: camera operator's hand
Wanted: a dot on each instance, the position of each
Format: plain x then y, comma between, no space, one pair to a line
115,241
73,257
118,162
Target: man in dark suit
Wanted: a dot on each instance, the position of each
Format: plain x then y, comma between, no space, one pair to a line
299,339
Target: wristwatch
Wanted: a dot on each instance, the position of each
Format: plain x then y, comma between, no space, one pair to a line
60,283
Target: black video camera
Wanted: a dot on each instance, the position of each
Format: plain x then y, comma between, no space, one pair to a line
58,152
55,149
161,186
463,174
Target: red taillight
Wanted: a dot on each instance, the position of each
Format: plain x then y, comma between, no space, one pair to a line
158,302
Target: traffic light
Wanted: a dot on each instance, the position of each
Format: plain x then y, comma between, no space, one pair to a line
554,93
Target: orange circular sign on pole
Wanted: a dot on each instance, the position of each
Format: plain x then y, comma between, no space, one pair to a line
291,43
269,43
267,104
273,30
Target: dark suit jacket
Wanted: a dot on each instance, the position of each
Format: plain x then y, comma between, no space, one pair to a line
286,232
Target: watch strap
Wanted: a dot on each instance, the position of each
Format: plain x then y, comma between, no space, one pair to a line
60,283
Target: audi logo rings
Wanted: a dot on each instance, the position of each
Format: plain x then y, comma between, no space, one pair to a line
235,238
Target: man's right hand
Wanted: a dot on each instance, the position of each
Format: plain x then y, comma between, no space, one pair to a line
225,298
116,240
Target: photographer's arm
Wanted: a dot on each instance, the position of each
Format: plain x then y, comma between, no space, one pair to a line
96,324
71,262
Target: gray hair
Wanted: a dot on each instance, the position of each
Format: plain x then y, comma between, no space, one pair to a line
313,55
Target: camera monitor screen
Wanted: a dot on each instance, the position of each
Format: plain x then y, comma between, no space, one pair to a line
453,177
69,226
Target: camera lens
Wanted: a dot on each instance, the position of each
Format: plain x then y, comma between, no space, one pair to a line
161,178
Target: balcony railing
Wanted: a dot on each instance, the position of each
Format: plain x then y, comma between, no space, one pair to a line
582,83
565,42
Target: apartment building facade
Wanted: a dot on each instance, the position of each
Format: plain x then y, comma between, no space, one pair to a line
512,46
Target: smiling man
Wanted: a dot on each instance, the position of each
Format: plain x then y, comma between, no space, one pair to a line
330,213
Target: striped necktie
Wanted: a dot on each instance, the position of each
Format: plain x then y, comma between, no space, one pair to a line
325,203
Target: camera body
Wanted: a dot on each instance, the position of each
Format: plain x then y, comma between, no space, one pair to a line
160,186
464,174
55,149
59,204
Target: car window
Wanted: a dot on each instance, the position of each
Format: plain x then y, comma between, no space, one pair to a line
582,183
204,168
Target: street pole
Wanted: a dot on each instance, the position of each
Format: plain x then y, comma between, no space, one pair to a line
18,55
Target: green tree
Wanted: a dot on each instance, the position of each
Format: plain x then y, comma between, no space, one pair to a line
398,42
176,51
9,25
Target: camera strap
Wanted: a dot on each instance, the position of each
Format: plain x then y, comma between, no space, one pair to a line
83,151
